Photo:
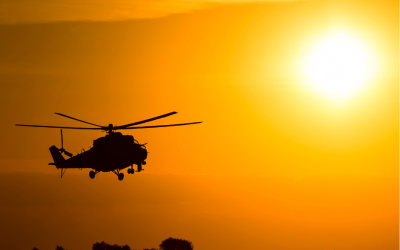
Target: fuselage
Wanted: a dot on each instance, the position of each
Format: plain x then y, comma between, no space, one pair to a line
111,152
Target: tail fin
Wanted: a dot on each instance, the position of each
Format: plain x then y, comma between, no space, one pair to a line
57,157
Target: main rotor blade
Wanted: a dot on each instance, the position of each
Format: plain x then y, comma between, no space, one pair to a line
78,120
40,126
144,121
159,126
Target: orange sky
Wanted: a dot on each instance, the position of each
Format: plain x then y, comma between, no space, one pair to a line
275,165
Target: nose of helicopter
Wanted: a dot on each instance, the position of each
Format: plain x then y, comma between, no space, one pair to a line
142,153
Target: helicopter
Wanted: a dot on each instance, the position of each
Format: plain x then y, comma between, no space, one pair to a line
111,153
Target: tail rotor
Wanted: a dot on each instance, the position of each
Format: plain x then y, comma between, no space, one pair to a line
62,150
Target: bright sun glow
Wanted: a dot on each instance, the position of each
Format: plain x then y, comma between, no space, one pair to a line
338,65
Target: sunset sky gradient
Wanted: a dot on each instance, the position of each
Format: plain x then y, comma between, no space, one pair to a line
276,163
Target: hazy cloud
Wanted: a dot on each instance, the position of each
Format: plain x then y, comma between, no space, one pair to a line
27,11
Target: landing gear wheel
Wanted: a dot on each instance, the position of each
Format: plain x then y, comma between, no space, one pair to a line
121,176
131,170
144,162
92,174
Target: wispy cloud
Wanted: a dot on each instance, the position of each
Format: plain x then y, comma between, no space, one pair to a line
28,11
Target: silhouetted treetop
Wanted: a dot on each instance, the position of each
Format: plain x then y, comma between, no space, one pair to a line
176,244
104,246
60,248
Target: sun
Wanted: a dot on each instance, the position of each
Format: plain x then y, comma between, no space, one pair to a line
338,65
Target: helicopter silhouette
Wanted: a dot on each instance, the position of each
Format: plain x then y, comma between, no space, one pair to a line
111,153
